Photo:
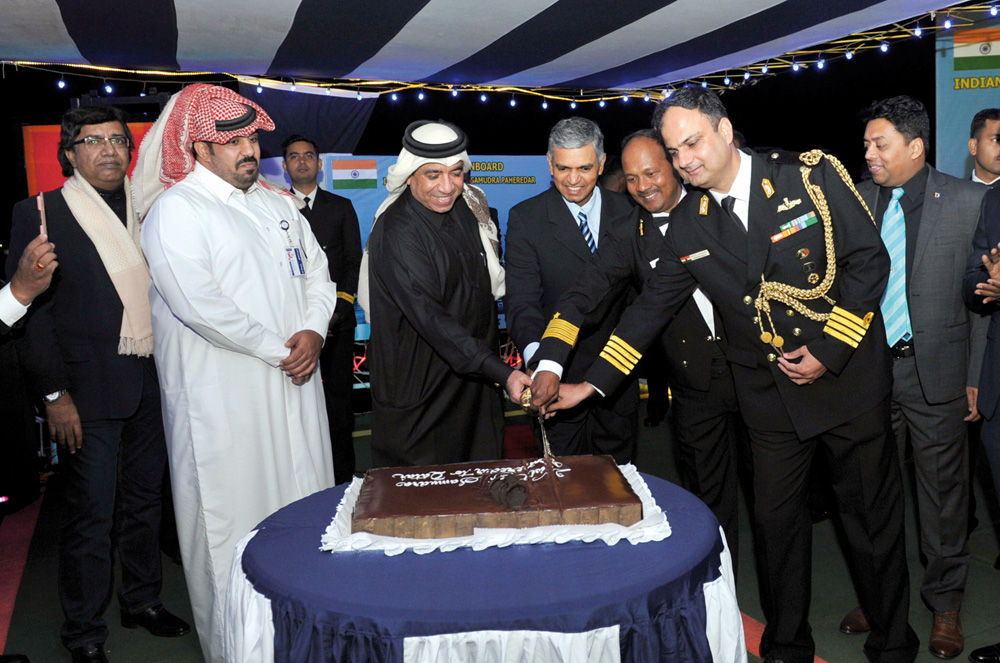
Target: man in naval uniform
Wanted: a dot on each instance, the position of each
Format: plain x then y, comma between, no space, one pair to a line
792,261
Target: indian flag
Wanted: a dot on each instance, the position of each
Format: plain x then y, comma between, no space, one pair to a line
977,49
355,174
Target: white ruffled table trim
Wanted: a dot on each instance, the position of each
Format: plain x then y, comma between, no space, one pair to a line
652,527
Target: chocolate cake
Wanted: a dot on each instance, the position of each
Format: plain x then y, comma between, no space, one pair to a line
440,501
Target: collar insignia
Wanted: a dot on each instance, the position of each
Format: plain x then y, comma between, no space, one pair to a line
703,206
788,204
768,189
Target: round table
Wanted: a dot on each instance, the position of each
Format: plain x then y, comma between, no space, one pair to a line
668,600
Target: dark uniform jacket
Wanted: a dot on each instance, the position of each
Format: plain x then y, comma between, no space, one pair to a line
335,224
786,246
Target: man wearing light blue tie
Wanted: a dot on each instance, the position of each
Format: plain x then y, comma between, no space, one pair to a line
927,220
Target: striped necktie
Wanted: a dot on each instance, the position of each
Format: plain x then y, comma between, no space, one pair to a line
895,312
585,229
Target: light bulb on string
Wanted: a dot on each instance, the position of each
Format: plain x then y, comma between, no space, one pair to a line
394,97
667,93
763,69
61,83
358,96
947,23
795,65
328,92
482,97
545,105
646,97
820,63
108,88
884,47
918,31
420,96
454,92
726,81
849,55
601,103
993,10
513,102
746,75
572,104
259,89
293,86
625,98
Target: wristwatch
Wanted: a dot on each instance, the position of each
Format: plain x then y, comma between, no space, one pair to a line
54,396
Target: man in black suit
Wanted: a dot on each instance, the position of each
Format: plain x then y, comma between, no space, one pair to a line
550,238
335,224
981,289
984,146
707,427
87,352
795,268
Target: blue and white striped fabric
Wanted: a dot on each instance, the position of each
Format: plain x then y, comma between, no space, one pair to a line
585,229
895,311
589,44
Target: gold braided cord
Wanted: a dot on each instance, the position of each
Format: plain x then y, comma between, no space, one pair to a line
791,296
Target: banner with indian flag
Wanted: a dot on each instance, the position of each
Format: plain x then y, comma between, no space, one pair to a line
977,49
354,174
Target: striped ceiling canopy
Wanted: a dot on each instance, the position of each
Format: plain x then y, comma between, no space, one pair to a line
555,44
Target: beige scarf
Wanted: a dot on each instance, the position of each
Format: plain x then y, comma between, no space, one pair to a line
119,249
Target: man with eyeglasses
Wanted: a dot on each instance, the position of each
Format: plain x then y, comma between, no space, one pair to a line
87,354
335,224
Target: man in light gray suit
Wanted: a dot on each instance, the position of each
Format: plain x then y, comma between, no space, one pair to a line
927,220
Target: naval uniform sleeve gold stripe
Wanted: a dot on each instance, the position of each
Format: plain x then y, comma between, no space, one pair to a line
614,362
560,329
620,359
346,296
843,329
848,318
840,337
628,350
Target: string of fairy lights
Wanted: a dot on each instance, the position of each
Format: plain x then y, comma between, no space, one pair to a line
814,59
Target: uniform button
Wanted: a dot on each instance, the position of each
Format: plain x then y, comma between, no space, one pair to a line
790,313
756,319
748,300
683,340
684,363
709,338
796,332
772,357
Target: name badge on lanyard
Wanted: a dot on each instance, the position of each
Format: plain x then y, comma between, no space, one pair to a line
296,256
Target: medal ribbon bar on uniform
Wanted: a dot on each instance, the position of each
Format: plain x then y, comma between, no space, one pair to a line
795,226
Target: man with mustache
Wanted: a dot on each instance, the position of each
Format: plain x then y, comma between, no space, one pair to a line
87,353
984,146
241,302
335,224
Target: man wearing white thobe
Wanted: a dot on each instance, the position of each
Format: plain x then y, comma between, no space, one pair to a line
241,300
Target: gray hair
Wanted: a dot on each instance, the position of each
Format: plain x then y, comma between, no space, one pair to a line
574,132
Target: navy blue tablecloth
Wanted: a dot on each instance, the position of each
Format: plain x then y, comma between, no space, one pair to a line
359,606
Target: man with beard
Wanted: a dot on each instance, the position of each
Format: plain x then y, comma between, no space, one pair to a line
435,366
87,353
335,224
241,302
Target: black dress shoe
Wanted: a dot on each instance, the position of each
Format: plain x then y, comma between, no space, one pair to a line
157,621
13,658
990,654
89,654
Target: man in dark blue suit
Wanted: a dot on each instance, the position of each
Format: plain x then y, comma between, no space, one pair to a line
335,224
550,238
87,353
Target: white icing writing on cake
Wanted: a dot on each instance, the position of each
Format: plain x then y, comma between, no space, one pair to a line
534,470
